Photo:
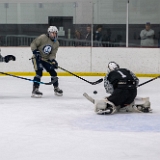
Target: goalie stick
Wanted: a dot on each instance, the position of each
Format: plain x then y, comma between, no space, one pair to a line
148,81
89,98
93,83
49,83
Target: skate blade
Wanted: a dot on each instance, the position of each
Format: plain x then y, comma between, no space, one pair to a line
36,96
58,94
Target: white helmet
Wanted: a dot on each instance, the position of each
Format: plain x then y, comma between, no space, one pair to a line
112,66
52,29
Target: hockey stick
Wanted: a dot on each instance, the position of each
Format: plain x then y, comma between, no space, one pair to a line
93,83
49,83
148,81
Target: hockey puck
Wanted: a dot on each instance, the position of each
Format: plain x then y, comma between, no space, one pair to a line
95,92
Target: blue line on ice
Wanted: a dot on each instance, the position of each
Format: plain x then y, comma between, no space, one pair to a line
129,122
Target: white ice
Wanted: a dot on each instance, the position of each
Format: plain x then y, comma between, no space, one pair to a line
66,128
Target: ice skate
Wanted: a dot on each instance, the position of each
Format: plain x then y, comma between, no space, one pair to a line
58,91
36,93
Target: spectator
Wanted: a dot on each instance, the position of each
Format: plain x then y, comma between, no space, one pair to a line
147,36
78,38
88,36
97,36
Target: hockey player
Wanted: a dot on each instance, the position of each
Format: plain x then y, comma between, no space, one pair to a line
7,58
122,84
44,50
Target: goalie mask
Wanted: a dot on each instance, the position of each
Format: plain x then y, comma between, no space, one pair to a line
112,66
53,33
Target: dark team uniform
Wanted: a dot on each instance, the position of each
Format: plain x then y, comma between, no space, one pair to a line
122,85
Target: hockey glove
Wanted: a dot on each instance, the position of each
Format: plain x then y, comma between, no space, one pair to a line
9,58
36,54
54,63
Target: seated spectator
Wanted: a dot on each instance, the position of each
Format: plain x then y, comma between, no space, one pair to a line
97,36
78,38
147,36
88,36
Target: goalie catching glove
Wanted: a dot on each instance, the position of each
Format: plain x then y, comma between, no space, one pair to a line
9,58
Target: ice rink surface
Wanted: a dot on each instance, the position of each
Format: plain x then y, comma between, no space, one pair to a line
66,128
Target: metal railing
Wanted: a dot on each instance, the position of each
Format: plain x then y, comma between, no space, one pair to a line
18,40
25,40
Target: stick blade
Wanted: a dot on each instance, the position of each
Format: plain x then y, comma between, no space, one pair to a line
97,82
52,82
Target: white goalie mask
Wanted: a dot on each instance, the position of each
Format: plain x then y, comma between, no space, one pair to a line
112,66
53,32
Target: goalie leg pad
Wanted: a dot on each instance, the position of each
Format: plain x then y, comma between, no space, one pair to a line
104,107
142,105
139,105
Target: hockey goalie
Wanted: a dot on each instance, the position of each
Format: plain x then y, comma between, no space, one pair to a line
121,84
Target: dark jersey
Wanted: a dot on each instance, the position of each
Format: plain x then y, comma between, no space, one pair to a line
120,78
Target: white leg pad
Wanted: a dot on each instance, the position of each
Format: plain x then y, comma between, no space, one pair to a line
137,106
142,101
101,106
142,104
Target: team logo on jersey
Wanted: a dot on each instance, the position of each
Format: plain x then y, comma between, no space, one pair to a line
47,49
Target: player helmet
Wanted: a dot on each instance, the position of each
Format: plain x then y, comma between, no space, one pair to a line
112,66
53,29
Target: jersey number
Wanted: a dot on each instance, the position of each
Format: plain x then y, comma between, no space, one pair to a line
123,76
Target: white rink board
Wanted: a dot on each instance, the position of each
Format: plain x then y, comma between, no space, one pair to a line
78,59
